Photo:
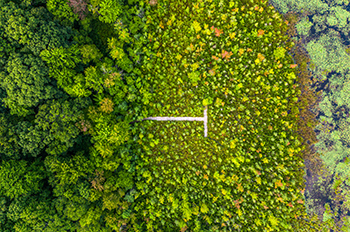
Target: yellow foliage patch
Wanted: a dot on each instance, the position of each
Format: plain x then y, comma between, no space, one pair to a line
261,57
260,32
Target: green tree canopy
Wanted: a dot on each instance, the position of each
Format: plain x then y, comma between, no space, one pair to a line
33,28
18,178
57,119
26,83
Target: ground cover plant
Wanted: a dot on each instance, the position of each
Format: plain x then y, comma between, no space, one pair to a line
232,55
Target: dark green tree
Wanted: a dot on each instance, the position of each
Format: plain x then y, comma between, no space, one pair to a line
26,83
67,162
36,213
61,9
33,28
57,119
18,178
8,137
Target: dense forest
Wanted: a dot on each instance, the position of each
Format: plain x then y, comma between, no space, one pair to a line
79,78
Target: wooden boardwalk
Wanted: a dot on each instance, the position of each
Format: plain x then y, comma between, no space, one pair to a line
204,119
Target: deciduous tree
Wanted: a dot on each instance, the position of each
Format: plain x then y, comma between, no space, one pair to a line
26,83
20,178
61,9
57,118
33,28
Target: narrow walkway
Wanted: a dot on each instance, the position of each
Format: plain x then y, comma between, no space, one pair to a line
204,119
